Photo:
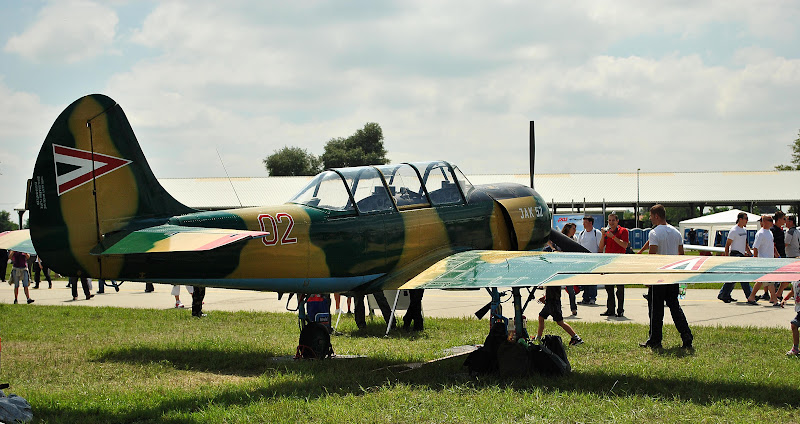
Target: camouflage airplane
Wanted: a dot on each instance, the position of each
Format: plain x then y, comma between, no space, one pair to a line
96,209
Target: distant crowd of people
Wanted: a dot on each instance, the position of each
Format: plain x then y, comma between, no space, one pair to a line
771,241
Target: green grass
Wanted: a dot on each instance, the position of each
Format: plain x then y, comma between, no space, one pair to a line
102,365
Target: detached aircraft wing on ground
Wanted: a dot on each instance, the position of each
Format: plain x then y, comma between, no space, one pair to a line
97,210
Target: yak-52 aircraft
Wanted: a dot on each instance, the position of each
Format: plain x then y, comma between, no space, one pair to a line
97,210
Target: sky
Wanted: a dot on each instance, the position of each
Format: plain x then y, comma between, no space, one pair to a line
613,86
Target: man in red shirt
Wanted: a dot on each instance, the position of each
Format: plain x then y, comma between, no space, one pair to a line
614,240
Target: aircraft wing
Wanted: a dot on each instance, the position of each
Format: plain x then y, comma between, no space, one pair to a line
176,238
487,268
18,240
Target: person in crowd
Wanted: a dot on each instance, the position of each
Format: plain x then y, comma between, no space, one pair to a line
589,238
779,238
665,239
552,308
614,240
20,274
569,231
4,256
764,247
337,297
736,245
794,323
413,314
176,291
383,304
792,238
39,267
198,294
73,281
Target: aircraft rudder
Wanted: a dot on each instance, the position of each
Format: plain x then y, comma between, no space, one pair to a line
90,179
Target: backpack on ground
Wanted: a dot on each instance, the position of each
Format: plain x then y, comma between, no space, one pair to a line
549,358
512,360
484,359
315,342
318,309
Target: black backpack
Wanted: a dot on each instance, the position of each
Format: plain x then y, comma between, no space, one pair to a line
512,360
315,342
484,359
549,358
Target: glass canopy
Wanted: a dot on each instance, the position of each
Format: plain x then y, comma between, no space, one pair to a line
385,188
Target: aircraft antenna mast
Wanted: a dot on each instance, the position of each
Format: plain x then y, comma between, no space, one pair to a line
229,178
532,150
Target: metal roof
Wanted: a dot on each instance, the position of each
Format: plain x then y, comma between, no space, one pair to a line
615,189
709,188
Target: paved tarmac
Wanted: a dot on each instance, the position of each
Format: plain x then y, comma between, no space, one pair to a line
700,305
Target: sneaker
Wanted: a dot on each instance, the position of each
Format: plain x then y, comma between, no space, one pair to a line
650,345
752,302
178,305
30,301
16,301
778,304
575,312
592,302
575,340
765,296
793,351
620,315
607,314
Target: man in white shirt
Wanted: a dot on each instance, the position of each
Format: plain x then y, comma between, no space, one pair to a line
590,239
736,246
764,247
665,240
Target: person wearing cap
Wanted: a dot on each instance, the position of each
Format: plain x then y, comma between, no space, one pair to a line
614,240
736,246
764,247
589,238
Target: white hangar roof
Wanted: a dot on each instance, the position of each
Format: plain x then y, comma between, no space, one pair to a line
616,189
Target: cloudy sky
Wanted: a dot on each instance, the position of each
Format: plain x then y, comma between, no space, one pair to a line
612,86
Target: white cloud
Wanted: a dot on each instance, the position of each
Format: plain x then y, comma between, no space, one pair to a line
67,32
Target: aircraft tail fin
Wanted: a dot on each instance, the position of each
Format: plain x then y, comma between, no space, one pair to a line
91,179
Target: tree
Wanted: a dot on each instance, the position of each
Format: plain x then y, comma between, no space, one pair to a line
364,147
795,157
6,224
291,161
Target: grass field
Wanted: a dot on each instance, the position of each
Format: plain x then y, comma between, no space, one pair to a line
108,365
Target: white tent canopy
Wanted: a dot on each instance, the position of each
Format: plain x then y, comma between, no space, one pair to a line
712,230
727,217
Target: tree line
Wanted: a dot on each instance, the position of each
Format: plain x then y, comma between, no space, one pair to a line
364,147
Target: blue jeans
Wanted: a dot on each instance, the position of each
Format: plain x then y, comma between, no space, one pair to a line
589,293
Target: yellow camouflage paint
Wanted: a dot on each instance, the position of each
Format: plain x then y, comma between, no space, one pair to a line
300,259
425,232
77,206
501,236
523,212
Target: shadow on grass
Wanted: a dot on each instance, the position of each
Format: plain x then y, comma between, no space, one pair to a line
323,378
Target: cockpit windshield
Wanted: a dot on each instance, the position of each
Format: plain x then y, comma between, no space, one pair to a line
440,182
367,187
325,191
404,185
361,189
